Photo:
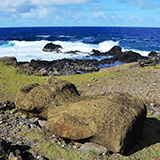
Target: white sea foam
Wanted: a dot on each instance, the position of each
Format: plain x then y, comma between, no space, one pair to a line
27,50
43,36
107,45
142,53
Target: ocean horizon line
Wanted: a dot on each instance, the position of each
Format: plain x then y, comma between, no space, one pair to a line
78,27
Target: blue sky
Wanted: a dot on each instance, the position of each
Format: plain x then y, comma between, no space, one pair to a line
132,13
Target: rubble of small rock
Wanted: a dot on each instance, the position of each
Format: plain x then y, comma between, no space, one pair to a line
17,147
13,146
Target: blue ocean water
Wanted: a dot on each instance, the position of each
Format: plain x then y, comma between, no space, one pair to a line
27,43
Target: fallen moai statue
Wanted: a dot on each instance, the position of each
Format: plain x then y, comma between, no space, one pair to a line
114,120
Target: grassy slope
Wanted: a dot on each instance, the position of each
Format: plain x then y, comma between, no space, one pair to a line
120,79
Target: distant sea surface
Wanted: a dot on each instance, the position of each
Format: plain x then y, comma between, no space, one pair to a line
27,43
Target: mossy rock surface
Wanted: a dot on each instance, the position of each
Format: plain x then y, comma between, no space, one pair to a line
114,120
9,60
36,99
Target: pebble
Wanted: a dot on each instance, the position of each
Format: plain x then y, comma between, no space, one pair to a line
42,123
78,144
16,155
24,116
75,147
1,122
21,123
152,104
156,114
14,111
32,126
63,145
40,158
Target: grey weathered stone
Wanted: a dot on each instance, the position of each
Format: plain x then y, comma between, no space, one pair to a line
156,114
16,155
42,123
94,147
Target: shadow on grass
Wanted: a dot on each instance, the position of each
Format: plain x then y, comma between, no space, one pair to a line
150,135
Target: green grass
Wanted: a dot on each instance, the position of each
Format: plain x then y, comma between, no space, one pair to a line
49,149
12,79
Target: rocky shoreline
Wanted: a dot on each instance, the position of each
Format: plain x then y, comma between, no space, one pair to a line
78,66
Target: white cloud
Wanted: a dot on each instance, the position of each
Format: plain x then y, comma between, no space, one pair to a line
25,5
145,4
49,10
77,16
59,2
36,13
131,17
10,6
28,15
99,15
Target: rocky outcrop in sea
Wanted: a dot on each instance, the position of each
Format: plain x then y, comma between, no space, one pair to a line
78,66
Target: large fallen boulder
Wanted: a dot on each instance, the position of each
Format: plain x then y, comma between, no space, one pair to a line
114,120
35,99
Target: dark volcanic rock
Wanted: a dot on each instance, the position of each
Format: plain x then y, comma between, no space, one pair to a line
7,105
147,63
14,152
118,55
72,52
65,66
3,144
50,47
115,51
98,53
152,54
155,56
107,61
130,56
75,66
